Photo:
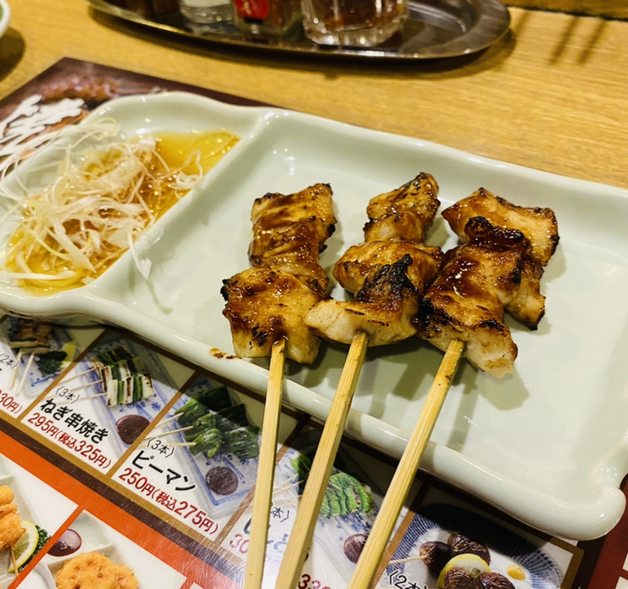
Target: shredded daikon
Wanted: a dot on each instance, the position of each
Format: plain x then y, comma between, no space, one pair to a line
100,201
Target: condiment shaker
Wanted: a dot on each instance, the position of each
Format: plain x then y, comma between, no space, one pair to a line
273,18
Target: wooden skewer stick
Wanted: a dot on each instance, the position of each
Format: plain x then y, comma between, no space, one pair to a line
66,401
13,561
84,386
285,488
79,374
289,482
182,444
93,396
316,485
173,444
25,375
285,504
254,572
400,560
174,431
165,421
379,535
17,365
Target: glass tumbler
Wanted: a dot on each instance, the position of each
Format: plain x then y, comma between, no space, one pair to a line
354,23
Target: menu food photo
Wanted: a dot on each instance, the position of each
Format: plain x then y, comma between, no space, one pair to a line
160,238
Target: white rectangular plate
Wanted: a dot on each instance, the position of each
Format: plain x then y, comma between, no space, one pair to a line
546,444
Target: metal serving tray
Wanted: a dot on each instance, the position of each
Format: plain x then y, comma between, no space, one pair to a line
435,29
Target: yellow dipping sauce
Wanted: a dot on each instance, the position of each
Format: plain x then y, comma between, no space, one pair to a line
175,147
51,243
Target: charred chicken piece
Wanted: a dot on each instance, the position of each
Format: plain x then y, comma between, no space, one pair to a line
466,302
528,307
537,224
268,301
265,304
290,230
387,279
387,273
358,262
403,214
383,309
275,212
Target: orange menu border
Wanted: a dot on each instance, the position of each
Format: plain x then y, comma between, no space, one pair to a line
151,540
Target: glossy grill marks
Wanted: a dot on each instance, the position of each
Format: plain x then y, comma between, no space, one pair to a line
497,268
387,273
268,301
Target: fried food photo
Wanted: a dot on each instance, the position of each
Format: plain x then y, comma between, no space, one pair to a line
11,529
93,570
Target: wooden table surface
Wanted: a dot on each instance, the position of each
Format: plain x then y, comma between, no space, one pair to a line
552,95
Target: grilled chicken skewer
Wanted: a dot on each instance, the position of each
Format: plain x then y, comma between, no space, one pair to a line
387,274
499,264
498,267
265,306
268,301
466,302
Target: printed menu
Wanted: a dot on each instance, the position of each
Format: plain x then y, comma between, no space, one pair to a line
120,461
